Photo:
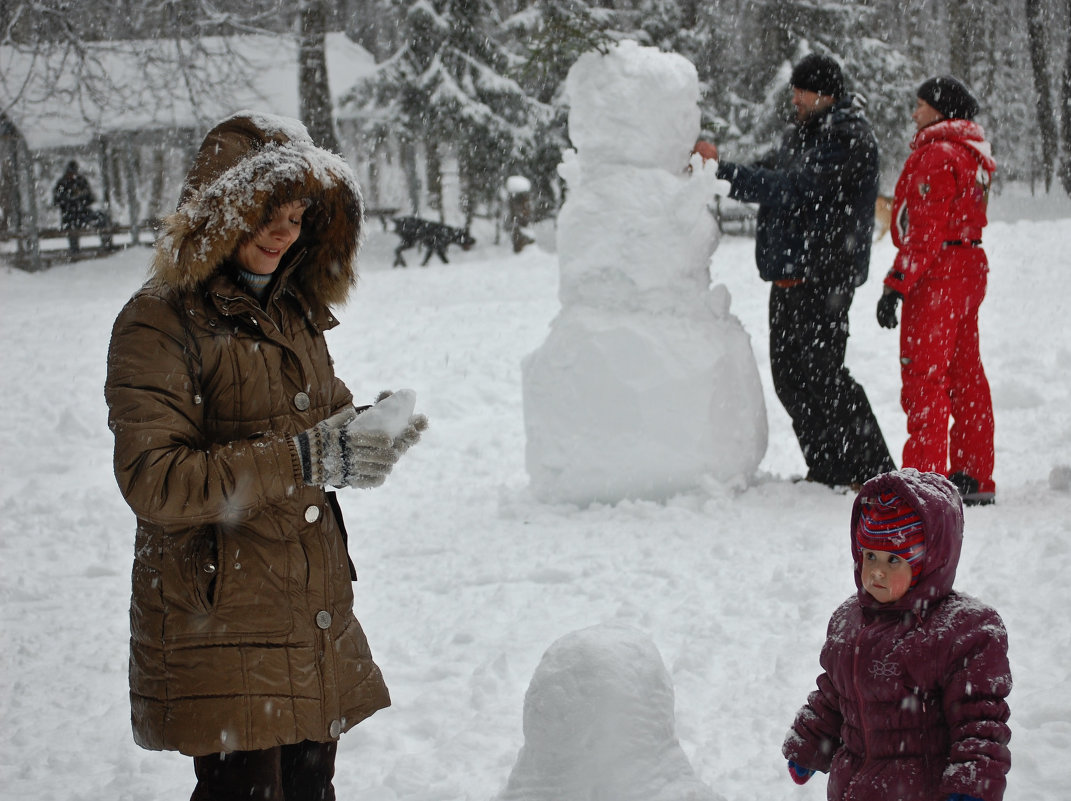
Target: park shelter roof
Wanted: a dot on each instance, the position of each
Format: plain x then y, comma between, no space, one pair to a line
57,100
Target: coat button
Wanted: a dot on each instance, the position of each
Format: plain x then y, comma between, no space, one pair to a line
301,401
323,619
312,514
335,729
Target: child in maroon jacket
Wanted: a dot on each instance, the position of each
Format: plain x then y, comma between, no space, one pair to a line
912,704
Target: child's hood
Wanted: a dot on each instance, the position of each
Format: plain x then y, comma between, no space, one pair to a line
939,505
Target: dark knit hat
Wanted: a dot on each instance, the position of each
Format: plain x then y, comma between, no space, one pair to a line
817,73
888,523
950,96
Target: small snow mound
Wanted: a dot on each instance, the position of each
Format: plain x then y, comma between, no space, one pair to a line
1060,478
72,426
599,723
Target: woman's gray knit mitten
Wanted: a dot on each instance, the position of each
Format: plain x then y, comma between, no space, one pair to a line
330,454
410,436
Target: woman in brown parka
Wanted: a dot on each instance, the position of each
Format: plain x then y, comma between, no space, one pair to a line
228,422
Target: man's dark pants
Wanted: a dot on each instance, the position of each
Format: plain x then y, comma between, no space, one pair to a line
301,772
836,428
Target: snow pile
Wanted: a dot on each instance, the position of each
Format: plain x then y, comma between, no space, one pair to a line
646,382
465,581
599,723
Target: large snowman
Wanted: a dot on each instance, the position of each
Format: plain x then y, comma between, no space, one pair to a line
646,385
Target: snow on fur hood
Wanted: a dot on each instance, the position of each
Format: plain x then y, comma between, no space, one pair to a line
939,505
247,164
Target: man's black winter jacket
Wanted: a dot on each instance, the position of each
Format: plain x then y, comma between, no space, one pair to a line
816,196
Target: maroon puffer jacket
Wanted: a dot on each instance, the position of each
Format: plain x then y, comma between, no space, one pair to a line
911,705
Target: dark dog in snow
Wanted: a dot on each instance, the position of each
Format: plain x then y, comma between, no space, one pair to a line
434,236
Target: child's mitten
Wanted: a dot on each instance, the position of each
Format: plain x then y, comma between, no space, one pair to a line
800,774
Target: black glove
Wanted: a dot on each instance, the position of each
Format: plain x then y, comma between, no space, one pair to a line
887,304
332,454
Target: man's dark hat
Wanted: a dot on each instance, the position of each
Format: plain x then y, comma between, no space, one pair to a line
817,73
950,96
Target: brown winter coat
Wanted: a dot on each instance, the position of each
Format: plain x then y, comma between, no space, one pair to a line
242,628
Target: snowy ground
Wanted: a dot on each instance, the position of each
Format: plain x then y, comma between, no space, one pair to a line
465,581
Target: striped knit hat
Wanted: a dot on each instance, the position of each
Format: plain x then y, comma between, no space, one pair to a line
887,523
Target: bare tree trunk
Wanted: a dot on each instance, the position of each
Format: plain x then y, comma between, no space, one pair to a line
964,36
775,43
130,173
1036,26
1065,114
317,109
434,176
408,157
156,192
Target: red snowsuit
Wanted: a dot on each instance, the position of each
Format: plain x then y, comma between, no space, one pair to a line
938,215
912,703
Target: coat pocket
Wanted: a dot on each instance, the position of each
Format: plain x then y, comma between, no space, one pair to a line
236,587
187,570
204,564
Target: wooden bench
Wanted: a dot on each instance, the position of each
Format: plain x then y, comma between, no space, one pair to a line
43,234
24,259
384,214
734,217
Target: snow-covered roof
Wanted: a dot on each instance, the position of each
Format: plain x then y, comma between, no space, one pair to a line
148,87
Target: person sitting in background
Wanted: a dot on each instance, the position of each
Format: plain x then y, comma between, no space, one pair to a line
74,198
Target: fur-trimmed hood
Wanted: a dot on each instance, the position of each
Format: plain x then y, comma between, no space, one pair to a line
248,164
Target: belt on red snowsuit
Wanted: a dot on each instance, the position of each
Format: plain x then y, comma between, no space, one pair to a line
962,243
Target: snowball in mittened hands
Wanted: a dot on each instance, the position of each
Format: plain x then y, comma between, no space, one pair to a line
390,415
333,454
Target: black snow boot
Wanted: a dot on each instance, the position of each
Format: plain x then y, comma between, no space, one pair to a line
969,491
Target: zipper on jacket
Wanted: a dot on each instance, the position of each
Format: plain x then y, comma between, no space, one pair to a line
859,705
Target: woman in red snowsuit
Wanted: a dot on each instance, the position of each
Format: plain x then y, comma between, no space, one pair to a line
940,273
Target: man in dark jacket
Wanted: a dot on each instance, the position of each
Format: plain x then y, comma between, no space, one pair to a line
816,196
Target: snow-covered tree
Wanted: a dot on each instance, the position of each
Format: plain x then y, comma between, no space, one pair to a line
317,108
1065,111
448,89
1038,25
547,39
